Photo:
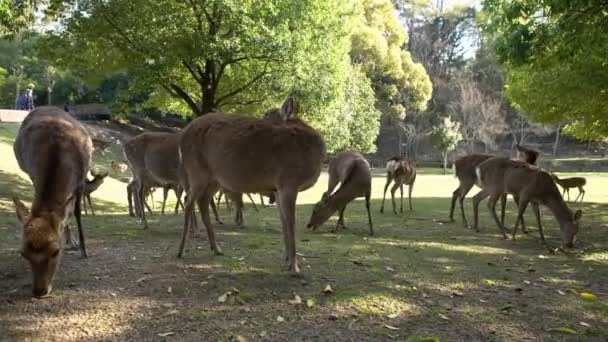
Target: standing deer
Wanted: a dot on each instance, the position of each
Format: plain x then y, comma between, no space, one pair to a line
350,169
55,151
154,160
497,176
89,187
131,198
245,154
119,167
569,183
401,172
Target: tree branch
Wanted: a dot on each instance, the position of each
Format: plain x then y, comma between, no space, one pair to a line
179,92
230,94
192,72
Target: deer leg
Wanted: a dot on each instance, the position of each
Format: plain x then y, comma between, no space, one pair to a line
88,197
287,203
283,227
476,199
340,223
409,193
568,193
503,207
455,195
583,193
130,199
464,190
524,229
203,205
369,214
141,198
401,191
521,208
165,194
580,192
255,207
219,198
81,243
237,198
393,190
536,209
389,179
188,213
492,208
178,194
84,205
214,208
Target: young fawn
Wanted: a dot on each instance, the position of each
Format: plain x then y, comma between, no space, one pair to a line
351,170
89,187
569,183
246,155
401,172
55,151
497,176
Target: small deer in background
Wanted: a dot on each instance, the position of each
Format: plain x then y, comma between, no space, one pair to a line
497,176
402,172
89,187
220,150
569,183
351,170
119,167
55,151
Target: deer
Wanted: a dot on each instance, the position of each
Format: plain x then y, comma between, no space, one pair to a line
569,183
351,170
131,191
119,167
464,170
401,172
243,154
154,160
55,151
89,187
530,184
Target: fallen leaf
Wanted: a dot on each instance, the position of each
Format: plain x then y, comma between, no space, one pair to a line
588,296
280,319
444,317
506,307
240,338
395,315
203,283
483,300
168,305
561,292
390,327
457,293
169,333
543,257
171,312
169,290
310,303
389,269
585,324
564,330
263,333
574,291
141,279
297,300
490,282
527,282
333,317
422,339
223,298
328,289
235,290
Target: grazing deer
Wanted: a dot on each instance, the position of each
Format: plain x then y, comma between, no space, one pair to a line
401,172
497,176
350,169
55,151
245,154
119,167
89,187
569,183
131,198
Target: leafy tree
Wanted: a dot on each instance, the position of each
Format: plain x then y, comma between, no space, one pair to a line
445,137
555,53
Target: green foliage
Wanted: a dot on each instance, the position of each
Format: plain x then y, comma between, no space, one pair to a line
446,136
556,53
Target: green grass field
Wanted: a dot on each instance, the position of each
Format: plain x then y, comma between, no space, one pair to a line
419,278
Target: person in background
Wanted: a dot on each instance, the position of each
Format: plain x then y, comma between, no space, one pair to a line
29,97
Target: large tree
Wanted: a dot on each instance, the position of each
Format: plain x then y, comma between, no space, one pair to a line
556,56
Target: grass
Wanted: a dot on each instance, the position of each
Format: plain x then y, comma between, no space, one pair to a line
420,276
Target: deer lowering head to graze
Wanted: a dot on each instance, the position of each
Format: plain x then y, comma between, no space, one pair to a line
119,167
89,187
237,198
570,183
401,172
497,176
247,155
351,170
55,151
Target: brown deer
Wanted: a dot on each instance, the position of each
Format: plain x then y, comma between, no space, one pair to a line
154,160
131,198
351,170
247,155
569,183
497,176
89,187
464,170
119,167
401,172
55,151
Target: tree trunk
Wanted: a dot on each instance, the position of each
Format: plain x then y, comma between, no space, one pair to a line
209,87
445,162
49,93
556,143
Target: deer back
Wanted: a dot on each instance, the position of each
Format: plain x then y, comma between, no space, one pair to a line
464,167
55,151
245,154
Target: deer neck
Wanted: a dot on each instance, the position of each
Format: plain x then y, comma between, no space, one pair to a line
559,208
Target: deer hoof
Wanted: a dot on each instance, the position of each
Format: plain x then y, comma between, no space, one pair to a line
218,251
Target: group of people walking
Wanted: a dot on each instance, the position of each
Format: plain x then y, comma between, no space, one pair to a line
25,100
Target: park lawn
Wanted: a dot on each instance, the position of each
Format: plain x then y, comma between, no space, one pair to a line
419,276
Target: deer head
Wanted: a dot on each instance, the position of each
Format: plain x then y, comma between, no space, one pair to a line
321,212
569,228
42,244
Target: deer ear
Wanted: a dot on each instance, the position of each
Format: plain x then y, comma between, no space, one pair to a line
21,210
288,109
578,214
